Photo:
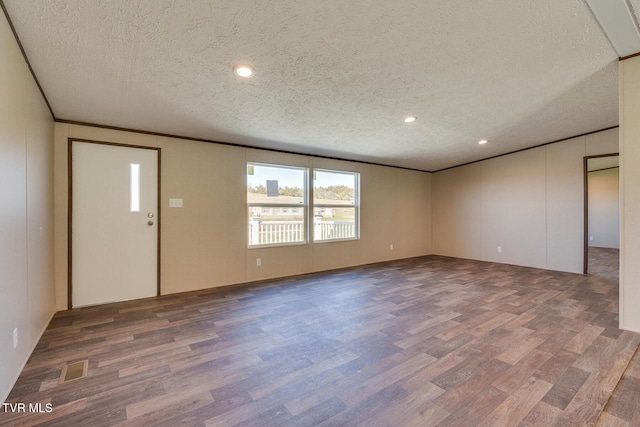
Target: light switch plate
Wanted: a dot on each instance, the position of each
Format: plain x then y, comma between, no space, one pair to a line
175,203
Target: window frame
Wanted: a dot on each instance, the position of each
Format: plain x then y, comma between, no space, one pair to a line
305,206
355,205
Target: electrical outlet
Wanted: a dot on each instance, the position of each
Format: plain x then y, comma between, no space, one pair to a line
15,338
590,237
499,249
391,247
258,262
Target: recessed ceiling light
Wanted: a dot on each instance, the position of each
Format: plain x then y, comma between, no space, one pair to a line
244,71
482,141
410,119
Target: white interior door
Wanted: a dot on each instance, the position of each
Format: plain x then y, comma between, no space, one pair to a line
114,230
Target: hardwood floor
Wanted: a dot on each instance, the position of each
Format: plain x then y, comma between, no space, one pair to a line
420,342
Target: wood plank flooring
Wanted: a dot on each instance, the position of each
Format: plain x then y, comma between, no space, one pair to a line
430,341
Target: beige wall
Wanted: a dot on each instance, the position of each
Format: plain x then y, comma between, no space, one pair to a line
203,244
565,198
457,212
630,194
26,223
604,212
513,208
530,204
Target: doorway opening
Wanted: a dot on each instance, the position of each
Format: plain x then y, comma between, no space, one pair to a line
601,213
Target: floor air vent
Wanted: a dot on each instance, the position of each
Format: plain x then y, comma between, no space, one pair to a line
73,371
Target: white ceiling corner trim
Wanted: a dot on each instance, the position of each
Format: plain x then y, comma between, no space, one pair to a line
619,23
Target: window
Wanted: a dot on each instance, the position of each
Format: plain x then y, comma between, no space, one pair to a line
135,187
276,204
335,205
278,211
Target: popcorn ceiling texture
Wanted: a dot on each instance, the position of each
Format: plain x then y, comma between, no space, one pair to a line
333,77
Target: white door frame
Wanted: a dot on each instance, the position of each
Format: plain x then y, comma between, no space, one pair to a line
70,212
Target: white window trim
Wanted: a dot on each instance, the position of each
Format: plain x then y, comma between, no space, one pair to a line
308,206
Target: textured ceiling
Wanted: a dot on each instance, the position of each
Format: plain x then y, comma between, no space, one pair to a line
333,77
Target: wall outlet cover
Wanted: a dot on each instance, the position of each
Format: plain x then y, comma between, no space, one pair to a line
175,203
